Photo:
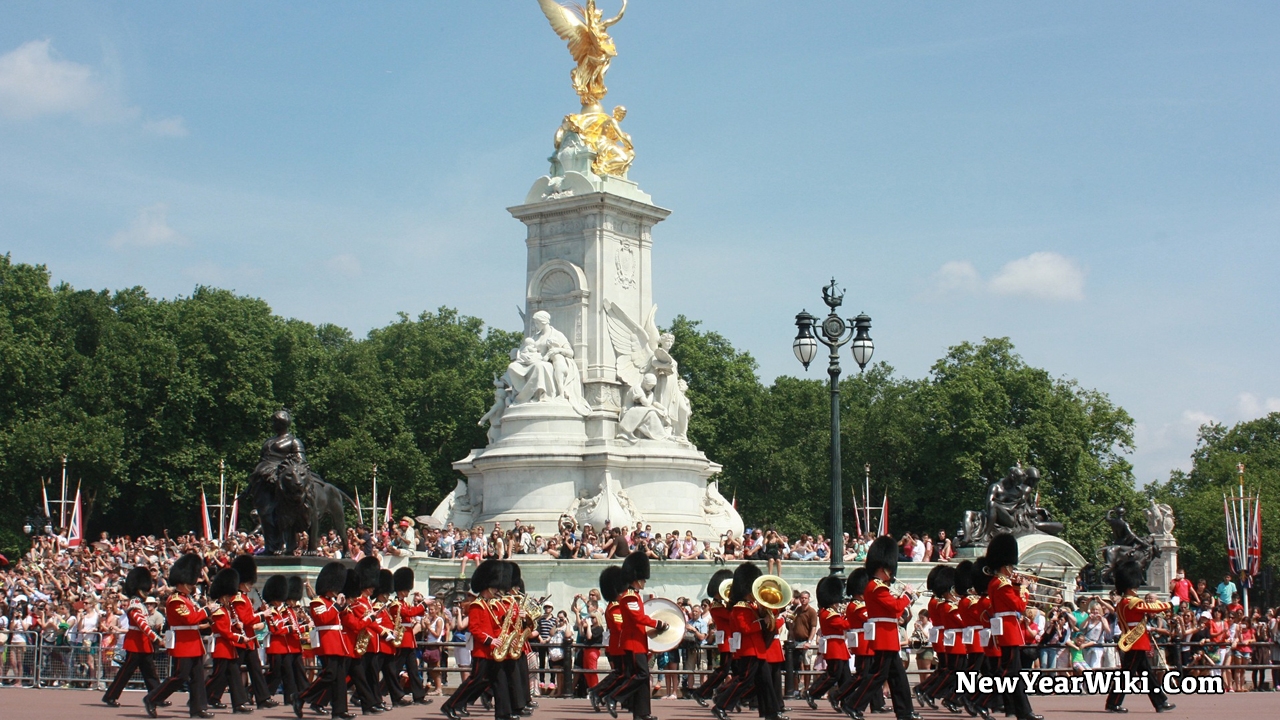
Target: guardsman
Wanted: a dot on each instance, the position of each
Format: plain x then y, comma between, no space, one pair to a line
989,662
253,624
1008,605
1132,612
611,585
330,643
881,632
720,620
230,636
299,629
359,618
140,641
635,643
517,667
953,642
278,646
406,659
832,626
856,613
385,646
940,581
749,625
186,620
484,622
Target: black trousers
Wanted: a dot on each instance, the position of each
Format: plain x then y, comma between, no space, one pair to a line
330,682
769,688
947,690
373,671
189,670
142,662
886,666
835,676
1137,662
281,672
944,668
635,684
518,681
226,673
742,684
357,668
485,675
406,661
845,693
1016,702
389,682
717,676
775,683
257,679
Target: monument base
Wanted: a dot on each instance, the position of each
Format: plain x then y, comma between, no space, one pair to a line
307,567
1051,559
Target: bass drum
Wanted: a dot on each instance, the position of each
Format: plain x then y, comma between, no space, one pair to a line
669,613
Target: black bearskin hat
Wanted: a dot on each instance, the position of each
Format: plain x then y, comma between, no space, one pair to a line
275,589
295,588
941,579
137,582
367,573
513,572
857,582
612,582
403,579
225,583
717,579
186,570
744,576
246,567
331,579
830,591
964,577
351,584
981,576
1002,551
386,582
636,567
883,553
486,576
1128,575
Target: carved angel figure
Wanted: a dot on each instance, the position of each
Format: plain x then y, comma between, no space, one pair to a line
584,28
642,353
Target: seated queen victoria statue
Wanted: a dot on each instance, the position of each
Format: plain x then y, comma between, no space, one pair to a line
542,369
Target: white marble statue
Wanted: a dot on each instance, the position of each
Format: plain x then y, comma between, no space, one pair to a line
1159,519
640,352
456,507
543,369
501,399
642,416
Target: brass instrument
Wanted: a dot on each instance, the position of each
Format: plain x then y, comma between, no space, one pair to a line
771,591
365,637
504,646
520,622
399,629
723,591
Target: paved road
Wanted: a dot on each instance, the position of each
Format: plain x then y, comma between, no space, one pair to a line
84,705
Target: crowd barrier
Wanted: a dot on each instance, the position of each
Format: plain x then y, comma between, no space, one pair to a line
82,662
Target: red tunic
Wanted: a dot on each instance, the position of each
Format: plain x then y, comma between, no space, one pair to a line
1007,607
953,630
856,613
278,631
483,627
831,627
1134,611
773,652
328,628
613,625
387,624
990,647
184,617
971,615
356,618
408,618
635,623
883,611
227,638
248,618
139,637
937,615
293,636
746,628
722,620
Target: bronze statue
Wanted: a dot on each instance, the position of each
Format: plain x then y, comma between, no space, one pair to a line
288,497
1011,507
1125,546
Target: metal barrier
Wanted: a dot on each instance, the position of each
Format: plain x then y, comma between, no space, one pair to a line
20,658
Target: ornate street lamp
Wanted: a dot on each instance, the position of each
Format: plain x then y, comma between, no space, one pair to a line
834,332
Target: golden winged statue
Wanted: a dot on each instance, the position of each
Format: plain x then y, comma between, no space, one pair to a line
592,48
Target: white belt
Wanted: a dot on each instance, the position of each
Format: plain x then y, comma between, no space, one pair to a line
870,626
720,637
184,627
735,642
327,627
934,632
968,633
997,625
824,639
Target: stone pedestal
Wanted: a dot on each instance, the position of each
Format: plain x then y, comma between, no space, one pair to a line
306,567
1165,567
1053,560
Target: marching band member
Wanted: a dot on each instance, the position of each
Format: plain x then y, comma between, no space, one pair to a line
299,628
881,633
856,613
331,642
953,640
635,644
774,657
1008,603
1132,612
970,609
278,646
229,638
248,570
832,626
358,617
186,620
485,623
406,658
517,667
748,636
384,645
140,640
940,580
611,585
720,620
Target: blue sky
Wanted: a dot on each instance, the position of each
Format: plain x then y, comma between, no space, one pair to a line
1098,181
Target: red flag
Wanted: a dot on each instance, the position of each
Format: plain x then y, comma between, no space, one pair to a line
75,530
235,507
1255,539
1233,551
386,516
44,491
857,519
884,518
204,516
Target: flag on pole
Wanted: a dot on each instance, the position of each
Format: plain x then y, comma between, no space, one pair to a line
857,520
735,499
884,518
1255,539
359,510
235,507
204,513
44,491
1233,549
75,530
386,516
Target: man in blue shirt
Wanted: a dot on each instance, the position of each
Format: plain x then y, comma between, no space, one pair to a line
1226,589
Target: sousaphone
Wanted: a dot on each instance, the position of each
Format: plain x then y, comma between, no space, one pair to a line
668,612
771,591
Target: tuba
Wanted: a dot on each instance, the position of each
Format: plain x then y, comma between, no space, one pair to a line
771,591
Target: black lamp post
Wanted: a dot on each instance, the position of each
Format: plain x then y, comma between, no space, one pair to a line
835,332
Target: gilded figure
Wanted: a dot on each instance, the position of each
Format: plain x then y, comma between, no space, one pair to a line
584,28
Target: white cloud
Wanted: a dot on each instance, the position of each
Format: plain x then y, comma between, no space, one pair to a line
1251,406
167,127
957,276
344,264
150,229
1196,418
1042,275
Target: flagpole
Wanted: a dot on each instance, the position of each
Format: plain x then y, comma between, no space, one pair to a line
62,506
373,512
866,494
222,500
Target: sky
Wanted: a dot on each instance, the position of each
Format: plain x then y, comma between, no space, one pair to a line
1099,182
